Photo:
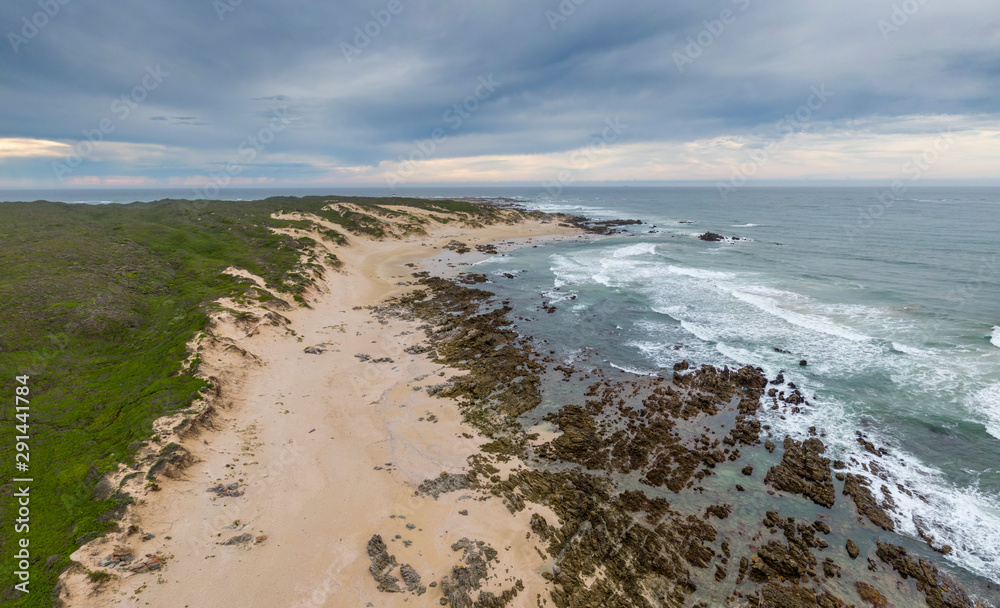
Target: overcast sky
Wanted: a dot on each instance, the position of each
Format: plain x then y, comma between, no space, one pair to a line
242,92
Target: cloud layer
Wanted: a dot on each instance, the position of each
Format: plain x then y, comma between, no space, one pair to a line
417,91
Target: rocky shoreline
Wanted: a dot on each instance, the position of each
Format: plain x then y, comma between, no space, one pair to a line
652,480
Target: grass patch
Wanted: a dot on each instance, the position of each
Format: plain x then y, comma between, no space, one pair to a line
99,577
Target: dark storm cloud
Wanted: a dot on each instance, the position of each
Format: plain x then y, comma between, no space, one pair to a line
365,79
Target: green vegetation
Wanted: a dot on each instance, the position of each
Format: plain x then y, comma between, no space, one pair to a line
98,577
97,304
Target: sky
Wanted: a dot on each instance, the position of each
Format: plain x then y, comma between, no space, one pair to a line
224,93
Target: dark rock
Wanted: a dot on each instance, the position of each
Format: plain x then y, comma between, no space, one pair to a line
939,591
382,565
411,579
711,237
779,596
239,540
471,278
604,227
464,580
852,549
871,595
744,565
446,483
856,487
803,471
457,247
791,561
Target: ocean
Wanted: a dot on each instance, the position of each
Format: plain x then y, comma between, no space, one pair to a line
894,304
896,316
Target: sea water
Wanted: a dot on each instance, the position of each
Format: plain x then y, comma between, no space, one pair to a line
896,316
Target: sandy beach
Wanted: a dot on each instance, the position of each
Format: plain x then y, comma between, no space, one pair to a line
328,449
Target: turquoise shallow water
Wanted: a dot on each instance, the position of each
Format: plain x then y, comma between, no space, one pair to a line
896,317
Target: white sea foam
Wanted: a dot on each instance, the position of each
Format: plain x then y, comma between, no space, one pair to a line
502,271
745,225
995,340
632,250
554,296
811,322
567,270
740,355
699,331
699,273
963,517
631,370
986,402
911,350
